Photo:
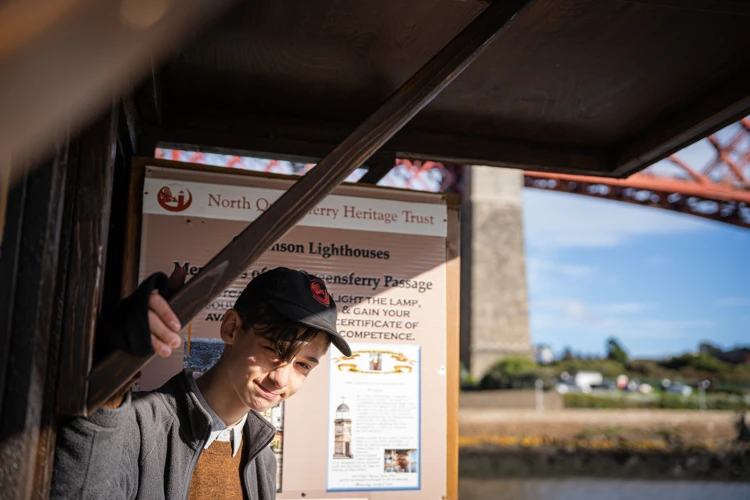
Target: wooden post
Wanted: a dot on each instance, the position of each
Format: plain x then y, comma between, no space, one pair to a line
95,171
28,265
452,347
365,140
4,188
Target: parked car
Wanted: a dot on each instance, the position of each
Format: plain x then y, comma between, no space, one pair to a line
677,388
565,388
645,389
605,386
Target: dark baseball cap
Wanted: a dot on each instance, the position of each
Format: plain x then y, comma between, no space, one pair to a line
298,296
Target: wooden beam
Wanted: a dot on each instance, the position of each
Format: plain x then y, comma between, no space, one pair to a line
129,125
715,108
91,216
735,7
92,50
32,284
294,204
307,139
148,99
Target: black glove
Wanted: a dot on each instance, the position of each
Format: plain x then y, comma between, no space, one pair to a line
127,328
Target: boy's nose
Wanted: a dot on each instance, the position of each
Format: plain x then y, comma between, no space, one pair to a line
280,375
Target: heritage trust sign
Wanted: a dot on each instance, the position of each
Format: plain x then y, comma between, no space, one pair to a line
218,201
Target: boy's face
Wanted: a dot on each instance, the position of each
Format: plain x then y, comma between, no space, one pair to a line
259,379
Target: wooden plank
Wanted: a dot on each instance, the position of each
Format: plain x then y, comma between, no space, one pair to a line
362,143
452,349
115,43
148,99
96,159
10,251
736,7
32,317
4,189
132,242
45,457
129,124
309,139
716,108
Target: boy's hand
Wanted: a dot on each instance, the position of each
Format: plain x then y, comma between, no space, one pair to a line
162,321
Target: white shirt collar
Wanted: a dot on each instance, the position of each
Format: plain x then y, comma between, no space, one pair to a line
233,434
219,430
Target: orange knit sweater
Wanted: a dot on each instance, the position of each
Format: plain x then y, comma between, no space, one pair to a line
218,474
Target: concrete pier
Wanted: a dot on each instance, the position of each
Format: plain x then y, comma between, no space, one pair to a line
494,305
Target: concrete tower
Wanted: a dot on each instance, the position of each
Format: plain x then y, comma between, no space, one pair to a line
494,305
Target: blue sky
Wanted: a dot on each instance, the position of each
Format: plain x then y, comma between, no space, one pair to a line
660,282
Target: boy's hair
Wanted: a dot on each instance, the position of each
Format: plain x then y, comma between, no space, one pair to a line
282,332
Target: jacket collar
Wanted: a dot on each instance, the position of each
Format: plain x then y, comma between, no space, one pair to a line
258,431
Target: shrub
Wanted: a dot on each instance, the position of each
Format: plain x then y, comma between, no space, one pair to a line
609,368
616,352
467,381
698,362
647,368
665,401
514,372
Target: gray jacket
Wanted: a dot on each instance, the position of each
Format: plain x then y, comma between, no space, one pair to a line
148,447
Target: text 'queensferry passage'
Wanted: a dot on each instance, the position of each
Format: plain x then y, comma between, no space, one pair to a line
352,279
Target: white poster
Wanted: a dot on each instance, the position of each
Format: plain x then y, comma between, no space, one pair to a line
374,416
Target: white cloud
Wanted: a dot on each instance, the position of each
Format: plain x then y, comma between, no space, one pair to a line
733,302
560,220
615,319
670,324
538,265
579,313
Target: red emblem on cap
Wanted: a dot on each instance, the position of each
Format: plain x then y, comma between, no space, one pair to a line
319,292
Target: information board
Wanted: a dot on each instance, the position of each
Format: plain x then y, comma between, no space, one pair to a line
373,425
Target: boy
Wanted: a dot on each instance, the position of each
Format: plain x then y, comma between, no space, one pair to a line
203,438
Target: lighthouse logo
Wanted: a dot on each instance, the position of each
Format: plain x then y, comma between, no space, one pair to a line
174,198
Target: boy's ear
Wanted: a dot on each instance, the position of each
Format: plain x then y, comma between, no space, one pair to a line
230,326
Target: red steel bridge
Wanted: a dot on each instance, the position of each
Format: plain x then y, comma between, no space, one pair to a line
709,179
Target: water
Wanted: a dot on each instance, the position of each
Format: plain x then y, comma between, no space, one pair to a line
599,489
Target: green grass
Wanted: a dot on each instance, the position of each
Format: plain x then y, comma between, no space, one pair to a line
657,401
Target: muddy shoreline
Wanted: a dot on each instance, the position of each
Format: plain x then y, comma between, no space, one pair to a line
554,462
630,444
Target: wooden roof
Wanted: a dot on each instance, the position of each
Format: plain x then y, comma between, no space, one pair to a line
601,87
